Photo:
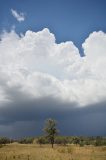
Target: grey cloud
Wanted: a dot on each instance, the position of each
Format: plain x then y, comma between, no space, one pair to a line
25,117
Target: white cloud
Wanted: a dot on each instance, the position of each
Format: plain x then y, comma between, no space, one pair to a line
19,16
95,50
35,64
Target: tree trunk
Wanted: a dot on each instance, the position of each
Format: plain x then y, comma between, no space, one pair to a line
52,145
52,142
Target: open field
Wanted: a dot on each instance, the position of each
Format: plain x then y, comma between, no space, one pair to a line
17,151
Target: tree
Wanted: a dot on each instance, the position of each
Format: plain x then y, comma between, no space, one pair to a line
42,140
51,130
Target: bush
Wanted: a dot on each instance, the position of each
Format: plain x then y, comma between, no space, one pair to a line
61,140
76,140
4,140
100,141
42,140
27,140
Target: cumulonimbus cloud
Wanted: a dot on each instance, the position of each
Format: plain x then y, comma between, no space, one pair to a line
36,65
19,16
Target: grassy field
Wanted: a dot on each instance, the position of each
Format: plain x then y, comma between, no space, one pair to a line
17,151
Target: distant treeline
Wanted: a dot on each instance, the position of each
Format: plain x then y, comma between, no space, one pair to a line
78,140
60,140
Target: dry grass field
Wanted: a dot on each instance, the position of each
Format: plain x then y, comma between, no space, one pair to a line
17,151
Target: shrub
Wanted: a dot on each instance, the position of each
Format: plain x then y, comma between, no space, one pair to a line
61,140
4,140
27,140
42,140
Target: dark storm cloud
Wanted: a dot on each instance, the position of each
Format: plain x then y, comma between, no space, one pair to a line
24,117
89,120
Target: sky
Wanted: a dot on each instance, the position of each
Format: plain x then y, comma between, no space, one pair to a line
52,65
